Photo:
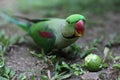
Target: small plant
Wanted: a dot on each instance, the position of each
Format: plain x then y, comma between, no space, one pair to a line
40,55
61,76
9,74
110,58
5,44
22,77
77,69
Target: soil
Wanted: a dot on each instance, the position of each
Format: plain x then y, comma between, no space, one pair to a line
20,59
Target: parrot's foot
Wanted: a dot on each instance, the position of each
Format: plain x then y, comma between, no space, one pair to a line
73,51
55,52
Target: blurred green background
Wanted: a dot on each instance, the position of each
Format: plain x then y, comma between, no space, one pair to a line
62,8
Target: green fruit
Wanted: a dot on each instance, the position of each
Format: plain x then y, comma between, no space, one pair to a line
93,62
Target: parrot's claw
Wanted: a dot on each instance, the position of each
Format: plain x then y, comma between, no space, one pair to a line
73,51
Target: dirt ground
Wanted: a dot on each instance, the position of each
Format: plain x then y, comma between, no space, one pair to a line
20,59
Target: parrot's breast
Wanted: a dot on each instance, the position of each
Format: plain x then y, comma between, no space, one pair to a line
61,42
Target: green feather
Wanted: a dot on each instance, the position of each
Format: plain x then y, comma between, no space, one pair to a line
75,17
21,24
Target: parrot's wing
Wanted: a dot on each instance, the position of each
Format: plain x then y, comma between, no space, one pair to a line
33,20
43,35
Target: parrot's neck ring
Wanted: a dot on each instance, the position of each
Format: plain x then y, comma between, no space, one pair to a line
68,37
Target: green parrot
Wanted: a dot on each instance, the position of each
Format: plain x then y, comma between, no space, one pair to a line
51,33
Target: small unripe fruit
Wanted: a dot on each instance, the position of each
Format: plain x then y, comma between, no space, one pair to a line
93,62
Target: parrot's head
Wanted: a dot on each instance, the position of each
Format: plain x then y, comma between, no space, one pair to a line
75,26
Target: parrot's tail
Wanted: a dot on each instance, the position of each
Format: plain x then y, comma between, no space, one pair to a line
23,25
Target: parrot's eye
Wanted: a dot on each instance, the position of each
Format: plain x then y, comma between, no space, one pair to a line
84,20
68,22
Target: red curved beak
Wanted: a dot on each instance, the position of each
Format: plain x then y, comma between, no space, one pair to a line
79,28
